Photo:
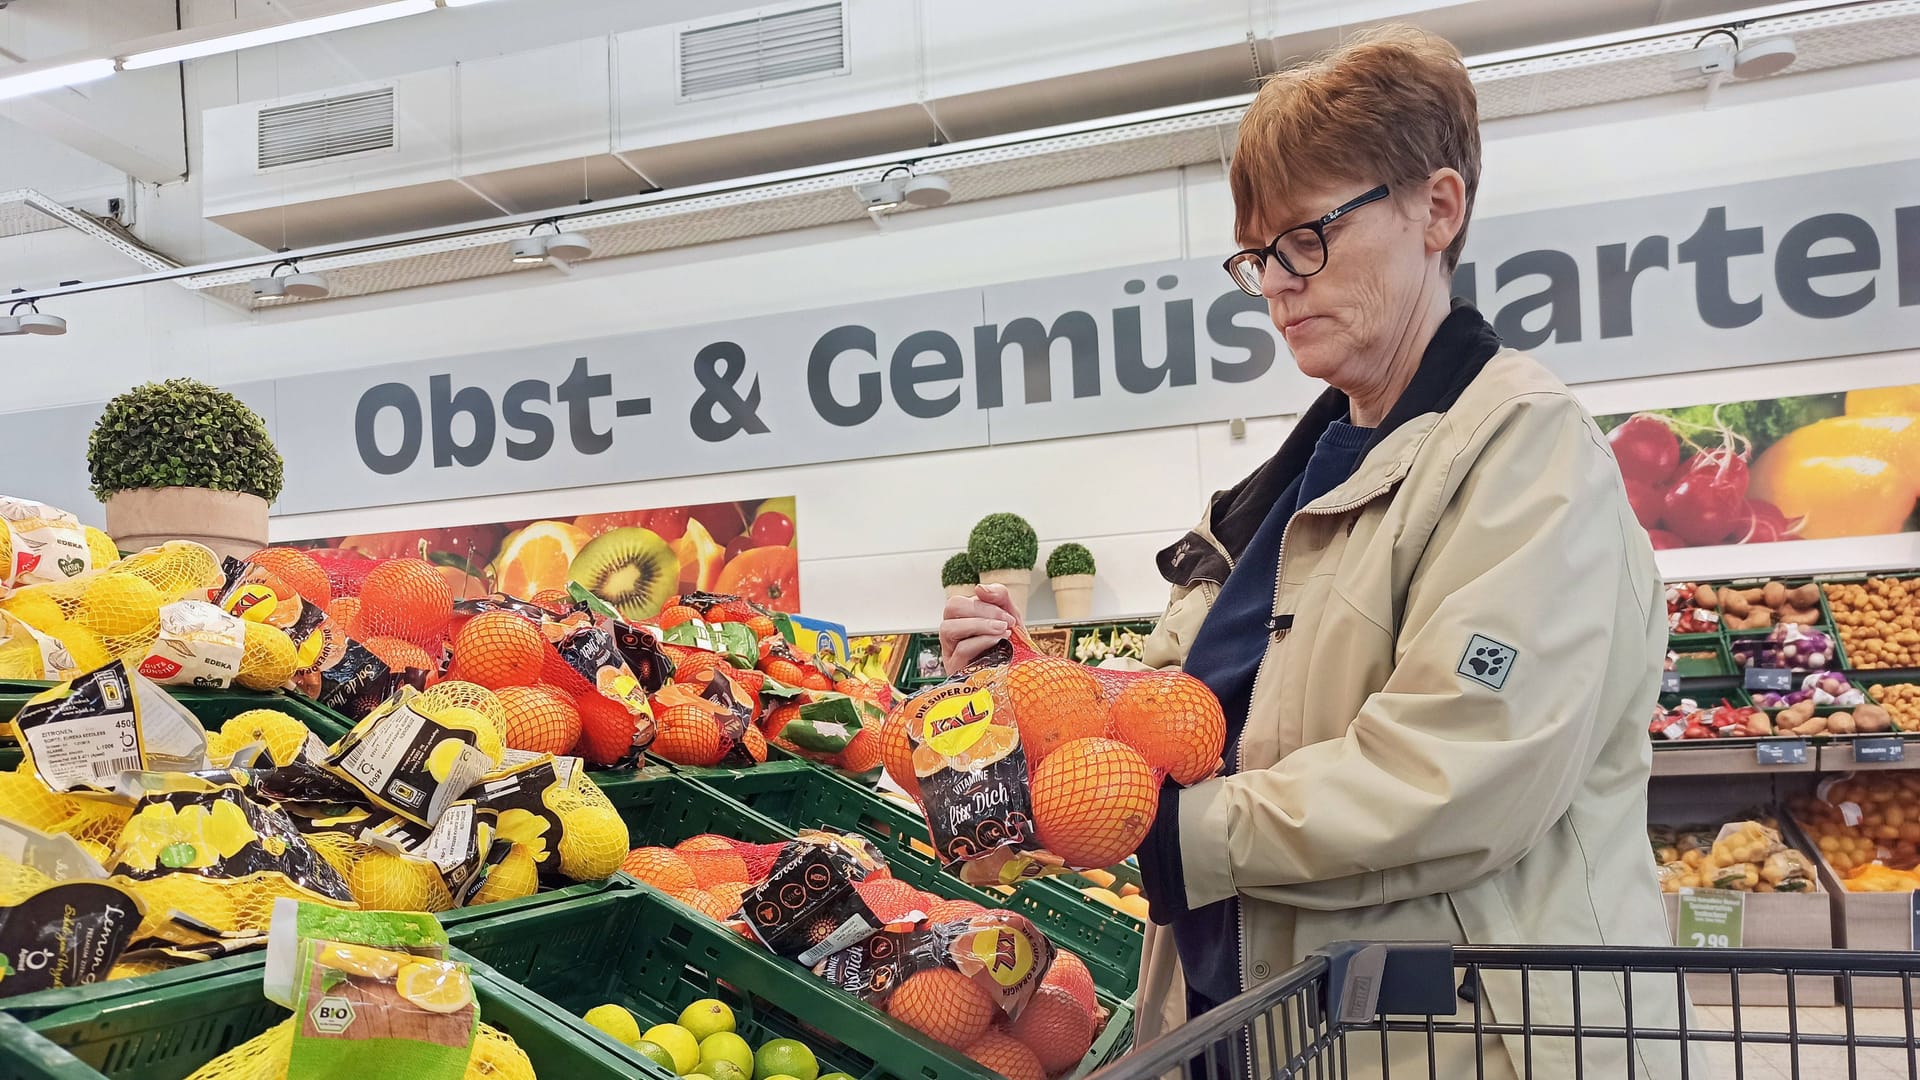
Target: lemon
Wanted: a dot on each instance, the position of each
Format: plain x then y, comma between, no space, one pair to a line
593,841
100,549
679,1043
615,1021
283,734
655,1053
360,960
706,1018
486,733
383,881
724,1048
497,1057
512,878
88,651
177,568
720,1069
439,986
27,801
269,659
441,761
35,608
116,605
786,1057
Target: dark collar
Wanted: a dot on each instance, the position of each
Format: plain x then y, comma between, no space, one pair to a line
1460,348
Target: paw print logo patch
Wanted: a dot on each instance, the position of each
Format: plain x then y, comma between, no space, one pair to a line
1487,661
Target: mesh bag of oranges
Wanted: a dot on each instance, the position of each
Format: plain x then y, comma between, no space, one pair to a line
114,613
953,980
1029,765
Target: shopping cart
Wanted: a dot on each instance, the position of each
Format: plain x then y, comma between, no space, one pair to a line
1417,1010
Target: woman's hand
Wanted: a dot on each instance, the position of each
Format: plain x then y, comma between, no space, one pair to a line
971,625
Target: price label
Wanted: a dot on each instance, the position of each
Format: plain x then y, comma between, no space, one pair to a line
1781,752
1778,680
1882,748
1710,918
1669,682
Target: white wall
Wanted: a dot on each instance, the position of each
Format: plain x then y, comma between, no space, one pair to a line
873,533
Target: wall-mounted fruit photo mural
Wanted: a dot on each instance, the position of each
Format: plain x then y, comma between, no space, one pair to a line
1808,467
636,560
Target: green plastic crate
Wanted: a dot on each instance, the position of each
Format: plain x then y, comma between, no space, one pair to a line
213,707
1109,941
642,951
1690,665
165,982
167,1035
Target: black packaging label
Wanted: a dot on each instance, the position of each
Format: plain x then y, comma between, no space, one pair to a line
807,908
66,935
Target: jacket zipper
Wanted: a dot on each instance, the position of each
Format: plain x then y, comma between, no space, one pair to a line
1273,627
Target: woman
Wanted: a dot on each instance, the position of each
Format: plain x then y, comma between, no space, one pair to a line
1432,619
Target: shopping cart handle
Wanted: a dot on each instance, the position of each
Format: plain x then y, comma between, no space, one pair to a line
1366,980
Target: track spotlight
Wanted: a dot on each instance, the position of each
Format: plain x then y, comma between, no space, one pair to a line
295,285
899,185
560,247
15,323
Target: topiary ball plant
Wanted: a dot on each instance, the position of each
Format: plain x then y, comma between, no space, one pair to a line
1069,558
959,570
1003,542
182,433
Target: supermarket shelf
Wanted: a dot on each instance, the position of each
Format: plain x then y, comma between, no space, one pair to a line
1718,757
1733,757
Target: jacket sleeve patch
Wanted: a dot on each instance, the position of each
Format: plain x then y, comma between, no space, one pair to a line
1487,661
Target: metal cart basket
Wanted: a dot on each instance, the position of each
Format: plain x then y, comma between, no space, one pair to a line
1411,1011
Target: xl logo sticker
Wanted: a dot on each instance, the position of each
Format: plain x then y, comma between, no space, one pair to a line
1487,661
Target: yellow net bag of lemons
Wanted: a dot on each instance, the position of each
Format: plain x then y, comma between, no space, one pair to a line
207,849
494,1056
114,613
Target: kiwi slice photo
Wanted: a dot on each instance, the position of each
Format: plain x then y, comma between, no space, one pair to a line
632,569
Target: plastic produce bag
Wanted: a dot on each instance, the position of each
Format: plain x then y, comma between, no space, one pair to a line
1029,765
41,543
61,922
998,952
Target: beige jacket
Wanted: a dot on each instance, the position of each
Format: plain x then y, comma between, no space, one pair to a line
1383,792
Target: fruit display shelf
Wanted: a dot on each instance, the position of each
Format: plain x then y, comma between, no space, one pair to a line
1108,940
166,1034
654,957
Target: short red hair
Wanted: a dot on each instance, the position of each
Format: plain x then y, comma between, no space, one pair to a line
1392,105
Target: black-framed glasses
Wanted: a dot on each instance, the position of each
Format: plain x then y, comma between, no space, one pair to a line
1302,250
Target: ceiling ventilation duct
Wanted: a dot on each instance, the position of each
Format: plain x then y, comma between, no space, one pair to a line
753,54
325,129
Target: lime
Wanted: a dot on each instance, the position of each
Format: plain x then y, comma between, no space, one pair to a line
836,1076
615,1021
679,1042
720,1069
786,1057
706,1017
655,1053
697,1076
724,1047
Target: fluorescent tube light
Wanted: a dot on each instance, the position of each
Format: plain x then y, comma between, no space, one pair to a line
269,35
53,78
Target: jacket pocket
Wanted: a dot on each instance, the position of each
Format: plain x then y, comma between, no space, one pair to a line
1173,635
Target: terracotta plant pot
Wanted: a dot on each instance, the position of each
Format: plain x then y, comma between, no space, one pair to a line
1073,596
959,590
230,522
1018,582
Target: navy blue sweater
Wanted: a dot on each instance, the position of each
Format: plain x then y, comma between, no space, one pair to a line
1226,655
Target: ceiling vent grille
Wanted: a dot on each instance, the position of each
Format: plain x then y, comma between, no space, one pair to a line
768,50
326,129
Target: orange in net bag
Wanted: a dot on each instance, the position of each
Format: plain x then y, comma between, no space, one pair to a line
1028,765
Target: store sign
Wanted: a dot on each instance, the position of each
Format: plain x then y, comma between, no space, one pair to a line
1808,266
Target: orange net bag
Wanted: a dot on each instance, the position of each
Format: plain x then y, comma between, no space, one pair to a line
346,571
1029,765
406,598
